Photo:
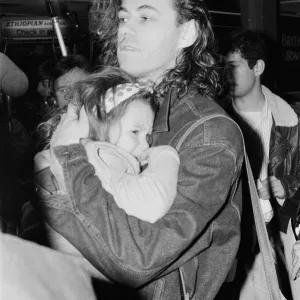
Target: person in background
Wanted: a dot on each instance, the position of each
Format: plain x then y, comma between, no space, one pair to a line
15,145
65,73
56,78
292,254
271,130
295,274
62,76
296,260
44,86
188,252
32,272
45,75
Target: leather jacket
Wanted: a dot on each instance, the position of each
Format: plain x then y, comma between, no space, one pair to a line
285,165
284,161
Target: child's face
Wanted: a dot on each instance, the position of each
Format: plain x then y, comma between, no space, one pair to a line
132,131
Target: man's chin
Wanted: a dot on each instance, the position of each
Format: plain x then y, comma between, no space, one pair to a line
132,70
135,69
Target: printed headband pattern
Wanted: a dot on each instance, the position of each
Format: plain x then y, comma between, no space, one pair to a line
121,92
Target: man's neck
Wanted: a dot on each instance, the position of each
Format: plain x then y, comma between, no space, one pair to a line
156,79
252,102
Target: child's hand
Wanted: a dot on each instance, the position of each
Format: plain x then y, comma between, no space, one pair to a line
150,154
296,260
144,157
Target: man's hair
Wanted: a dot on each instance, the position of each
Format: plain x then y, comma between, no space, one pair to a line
250,45
195,64
69,63
44,70
63,66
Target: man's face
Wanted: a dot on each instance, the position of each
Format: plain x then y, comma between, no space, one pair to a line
43,88
64,84
148,38
244,77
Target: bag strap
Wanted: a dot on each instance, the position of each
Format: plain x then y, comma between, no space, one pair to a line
263,238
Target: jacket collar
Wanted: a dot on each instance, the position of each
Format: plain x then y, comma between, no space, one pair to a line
162,117
169,102
282,112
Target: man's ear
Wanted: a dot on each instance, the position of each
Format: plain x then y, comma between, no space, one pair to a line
259,67
189,34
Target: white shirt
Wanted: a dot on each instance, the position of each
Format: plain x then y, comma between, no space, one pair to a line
261,122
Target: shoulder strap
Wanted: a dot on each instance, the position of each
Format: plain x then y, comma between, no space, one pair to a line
263,239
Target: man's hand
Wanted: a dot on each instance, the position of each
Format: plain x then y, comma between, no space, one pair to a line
271,187
72,127
93,150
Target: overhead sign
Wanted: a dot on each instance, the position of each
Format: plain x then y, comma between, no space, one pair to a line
34,28
290,54
291,47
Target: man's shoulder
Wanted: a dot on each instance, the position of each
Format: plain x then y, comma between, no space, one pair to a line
205,108
218,126
202,104
221,128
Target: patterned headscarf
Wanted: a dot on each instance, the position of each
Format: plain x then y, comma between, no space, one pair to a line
115,96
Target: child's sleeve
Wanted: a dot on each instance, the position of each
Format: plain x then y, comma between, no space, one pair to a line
147,196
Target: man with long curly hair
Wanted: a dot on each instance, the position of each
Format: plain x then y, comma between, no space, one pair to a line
189,252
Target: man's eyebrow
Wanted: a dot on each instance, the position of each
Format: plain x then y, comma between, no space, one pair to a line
138,125
142,7
149,7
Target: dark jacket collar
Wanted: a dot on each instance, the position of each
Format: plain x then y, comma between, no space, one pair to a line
162,117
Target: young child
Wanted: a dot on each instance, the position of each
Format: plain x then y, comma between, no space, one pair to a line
121,115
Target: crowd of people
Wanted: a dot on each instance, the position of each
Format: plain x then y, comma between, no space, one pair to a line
140,187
